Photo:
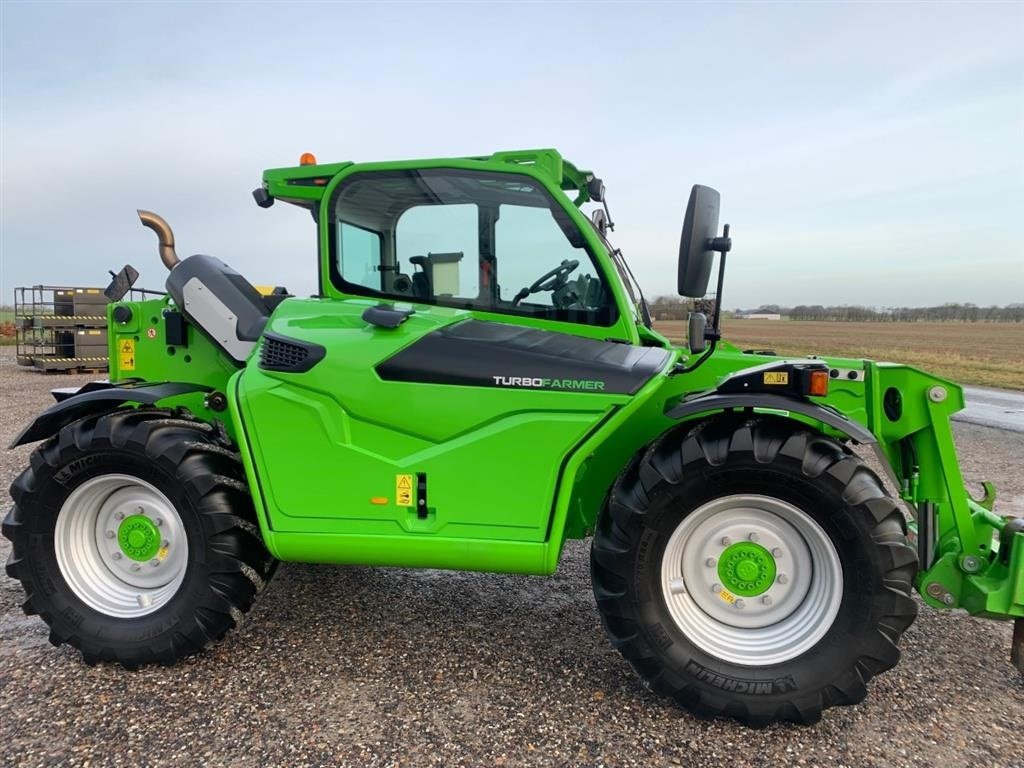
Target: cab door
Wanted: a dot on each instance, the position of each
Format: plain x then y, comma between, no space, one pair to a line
454,415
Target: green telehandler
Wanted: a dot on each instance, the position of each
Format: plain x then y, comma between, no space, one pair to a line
476,380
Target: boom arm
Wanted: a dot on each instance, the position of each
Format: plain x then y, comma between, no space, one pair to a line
970,557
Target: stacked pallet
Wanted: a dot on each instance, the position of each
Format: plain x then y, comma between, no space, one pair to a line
61,328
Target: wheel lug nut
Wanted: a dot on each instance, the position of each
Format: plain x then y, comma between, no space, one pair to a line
726,541
116,555
165,543
154,562
710,562
716,588
776,552
110,534
767,600
753,537
140,510
159,521
740,603
136,566
119,515
782,578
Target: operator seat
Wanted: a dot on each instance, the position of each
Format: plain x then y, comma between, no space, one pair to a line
222,303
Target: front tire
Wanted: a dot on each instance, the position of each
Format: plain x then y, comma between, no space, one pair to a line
754,569
134,537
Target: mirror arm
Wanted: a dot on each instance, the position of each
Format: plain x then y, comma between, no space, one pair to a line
696,364
723,245
607,214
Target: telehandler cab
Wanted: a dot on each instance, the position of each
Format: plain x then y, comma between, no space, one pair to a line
477,380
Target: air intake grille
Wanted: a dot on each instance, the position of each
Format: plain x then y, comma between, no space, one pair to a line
278,353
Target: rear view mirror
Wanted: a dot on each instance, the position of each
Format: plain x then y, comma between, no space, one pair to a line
696,335
600,221
695,246
122,283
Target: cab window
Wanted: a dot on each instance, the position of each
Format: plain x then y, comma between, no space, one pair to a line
441,244
492,242
359,251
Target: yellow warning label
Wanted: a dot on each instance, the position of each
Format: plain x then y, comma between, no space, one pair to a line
728,596
126,354
776,377
403,490
162,554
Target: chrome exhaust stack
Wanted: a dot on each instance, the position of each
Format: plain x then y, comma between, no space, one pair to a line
164,234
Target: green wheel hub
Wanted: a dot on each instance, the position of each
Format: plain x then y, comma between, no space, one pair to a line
746,569
138,538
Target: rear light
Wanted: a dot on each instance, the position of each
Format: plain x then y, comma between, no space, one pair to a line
817,384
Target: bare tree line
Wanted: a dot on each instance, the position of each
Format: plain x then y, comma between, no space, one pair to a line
677,308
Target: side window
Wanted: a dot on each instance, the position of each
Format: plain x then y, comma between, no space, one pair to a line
468,239
528,244
359,255
440,247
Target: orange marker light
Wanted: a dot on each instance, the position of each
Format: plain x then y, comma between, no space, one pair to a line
379,500
308,158
818,384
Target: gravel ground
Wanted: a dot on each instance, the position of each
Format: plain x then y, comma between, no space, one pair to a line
388,667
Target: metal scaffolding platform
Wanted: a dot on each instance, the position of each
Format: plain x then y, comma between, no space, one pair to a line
62,328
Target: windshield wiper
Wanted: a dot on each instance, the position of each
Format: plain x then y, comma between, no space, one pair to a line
645,311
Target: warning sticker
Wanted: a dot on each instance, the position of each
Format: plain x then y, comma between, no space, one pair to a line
403,490
776,377
126,354
728,596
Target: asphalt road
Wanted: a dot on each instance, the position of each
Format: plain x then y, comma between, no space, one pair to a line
998,408
390,667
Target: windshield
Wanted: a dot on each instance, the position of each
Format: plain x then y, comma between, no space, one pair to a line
469,239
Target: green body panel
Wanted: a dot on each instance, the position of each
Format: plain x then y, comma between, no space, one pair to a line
513,473
152,359
338,436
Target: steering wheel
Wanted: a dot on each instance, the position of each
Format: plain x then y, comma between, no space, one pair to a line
550,281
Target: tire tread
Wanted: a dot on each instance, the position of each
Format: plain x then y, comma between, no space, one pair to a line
767,439
209,468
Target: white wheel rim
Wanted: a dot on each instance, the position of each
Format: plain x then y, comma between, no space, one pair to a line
93,563
777,625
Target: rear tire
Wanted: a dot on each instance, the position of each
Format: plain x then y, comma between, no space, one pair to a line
135,538
726,635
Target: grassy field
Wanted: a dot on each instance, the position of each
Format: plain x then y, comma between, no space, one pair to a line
987,354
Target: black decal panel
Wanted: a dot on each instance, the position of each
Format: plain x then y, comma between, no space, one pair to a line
477,353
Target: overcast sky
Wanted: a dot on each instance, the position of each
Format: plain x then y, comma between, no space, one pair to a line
866,154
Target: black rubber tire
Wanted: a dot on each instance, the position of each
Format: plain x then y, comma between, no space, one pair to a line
194,465
776,457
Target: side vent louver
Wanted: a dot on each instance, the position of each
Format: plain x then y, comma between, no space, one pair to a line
280,353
